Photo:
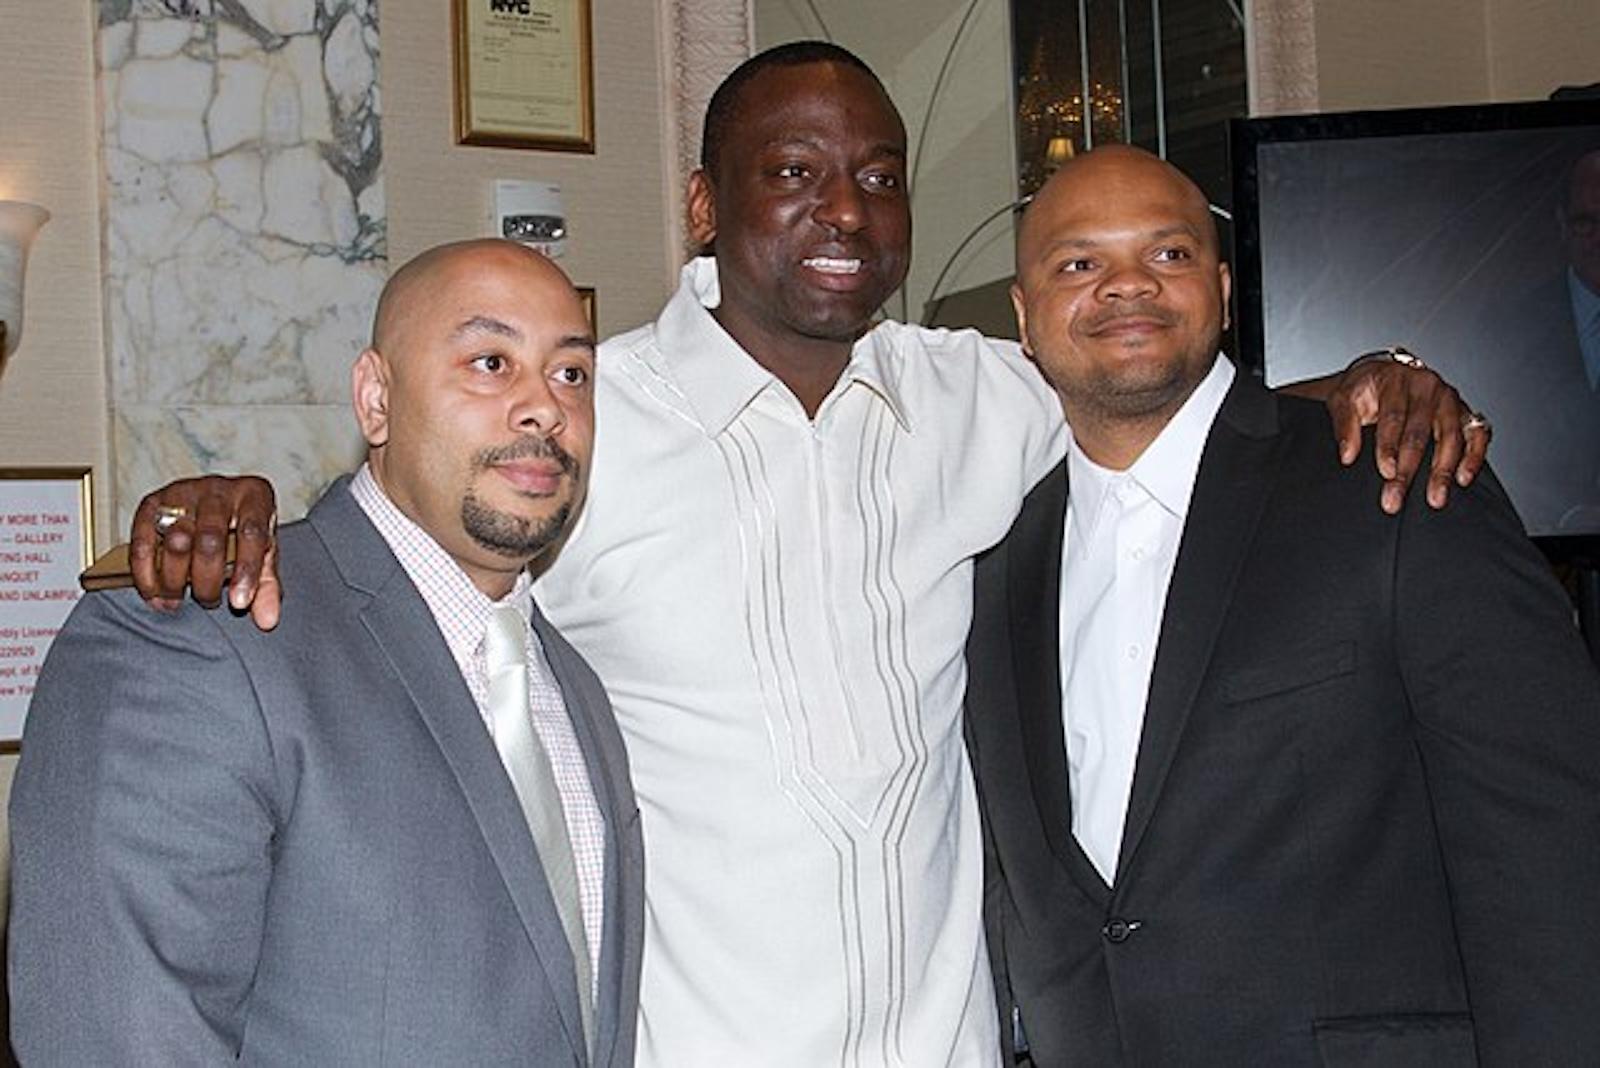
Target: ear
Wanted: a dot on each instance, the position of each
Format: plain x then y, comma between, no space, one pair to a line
1020,306
700,201
369,394
1225,284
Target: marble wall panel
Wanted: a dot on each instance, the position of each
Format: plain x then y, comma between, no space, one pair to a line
245,234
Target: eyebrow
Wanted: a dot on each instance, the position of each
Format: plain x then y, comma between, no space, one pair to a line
1179,230
484,324
883,148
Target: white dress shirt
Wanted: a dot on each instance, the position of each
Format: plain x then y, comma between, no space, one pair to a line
778,607
462,613
1117,554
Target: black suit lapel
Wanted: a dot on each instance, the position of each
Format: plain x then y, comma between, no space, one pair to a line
1033,581
404,630
1236,475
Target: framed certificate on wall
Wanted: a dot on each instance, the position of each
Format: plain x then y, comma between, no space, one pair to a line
46,538
524,74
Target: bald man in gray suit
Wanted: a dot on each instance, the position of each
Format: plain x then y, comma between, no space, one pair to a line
304,846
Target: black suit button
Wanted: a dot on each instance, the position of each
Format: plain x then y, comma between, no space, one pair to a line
1118,930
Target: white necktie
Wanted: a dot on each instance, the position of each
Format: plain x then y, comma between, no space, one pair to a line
506,657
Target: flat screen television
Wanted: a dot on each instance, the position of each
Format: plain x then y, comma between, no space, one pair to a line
1468,234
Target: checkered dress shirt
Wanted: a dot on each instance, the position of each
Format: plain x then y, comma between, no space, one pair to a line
462,612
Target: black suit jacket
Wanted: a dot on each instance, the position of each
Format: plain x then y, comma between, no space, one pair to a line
1364,825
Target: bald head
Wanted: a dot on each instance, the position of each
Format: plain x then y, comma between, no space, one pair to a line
1107,171
436,269
1120,295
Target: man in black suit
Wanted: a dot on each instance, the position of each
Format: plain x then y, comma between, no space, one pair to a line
1256,794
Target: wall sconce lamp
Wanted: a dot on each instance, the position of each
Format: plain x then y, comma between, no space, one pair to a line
19,222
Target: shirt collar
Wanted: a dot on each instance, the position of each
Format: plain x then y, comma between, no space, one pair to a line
1586,314
460,609
1167,468
719,379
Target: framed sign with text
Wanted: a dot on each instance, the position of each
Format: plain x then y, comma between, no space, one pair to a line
46,538
524,74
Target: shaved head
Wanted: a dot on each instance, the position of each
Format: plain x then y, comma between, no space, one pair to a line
429,271
1104,169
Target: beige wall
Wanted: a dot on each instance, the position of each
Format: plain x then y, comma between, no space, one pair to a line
1377,53
1380,54
1537,45
622,241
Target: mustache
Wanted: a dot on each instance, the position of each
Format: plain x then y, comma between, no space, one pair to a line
528,448
1141,310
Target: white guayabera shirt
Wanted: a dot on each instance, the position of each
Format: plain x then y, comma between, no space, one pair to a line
778,607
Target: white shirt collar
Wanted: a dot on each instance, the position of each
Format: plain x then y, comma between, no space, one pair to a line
460,609
719,379
1167,468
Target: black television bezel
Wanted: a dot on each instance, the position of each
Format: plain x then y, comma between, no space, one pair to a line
1246,136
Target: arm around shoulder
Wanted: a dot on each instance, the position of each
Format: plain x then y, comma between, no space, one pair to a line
142,821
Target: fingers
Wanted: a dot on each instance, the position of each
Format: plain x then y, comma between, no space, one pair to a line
252,510
1449,443
1411,408
1388,426
268,599
144,543
1478,439
190,550
208,553
1346,426
1425,393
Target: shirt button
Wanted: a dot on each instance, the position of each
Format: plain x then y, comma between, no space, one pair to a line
1138,553
1133,652
1118,930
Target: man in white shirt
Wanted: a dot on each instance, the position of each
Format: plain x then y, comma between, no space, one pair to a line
773,576
1270,778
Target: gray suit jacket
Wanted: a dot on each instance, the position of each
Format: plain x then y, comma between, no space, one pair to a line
298,847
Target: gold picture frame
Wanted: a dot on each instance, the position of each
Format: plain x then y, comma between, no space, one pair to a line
524,74
46,538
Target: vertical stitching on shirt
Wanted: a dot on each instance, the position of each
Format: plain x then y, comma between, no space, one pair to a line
891,654
770,647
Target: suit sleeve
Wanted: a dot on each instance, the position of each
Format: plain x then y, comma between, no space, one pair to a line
142,825
1507,710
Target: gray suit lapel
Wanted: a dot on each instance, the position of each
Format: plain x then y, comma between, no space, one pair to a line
399,622
1236,475
590,714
